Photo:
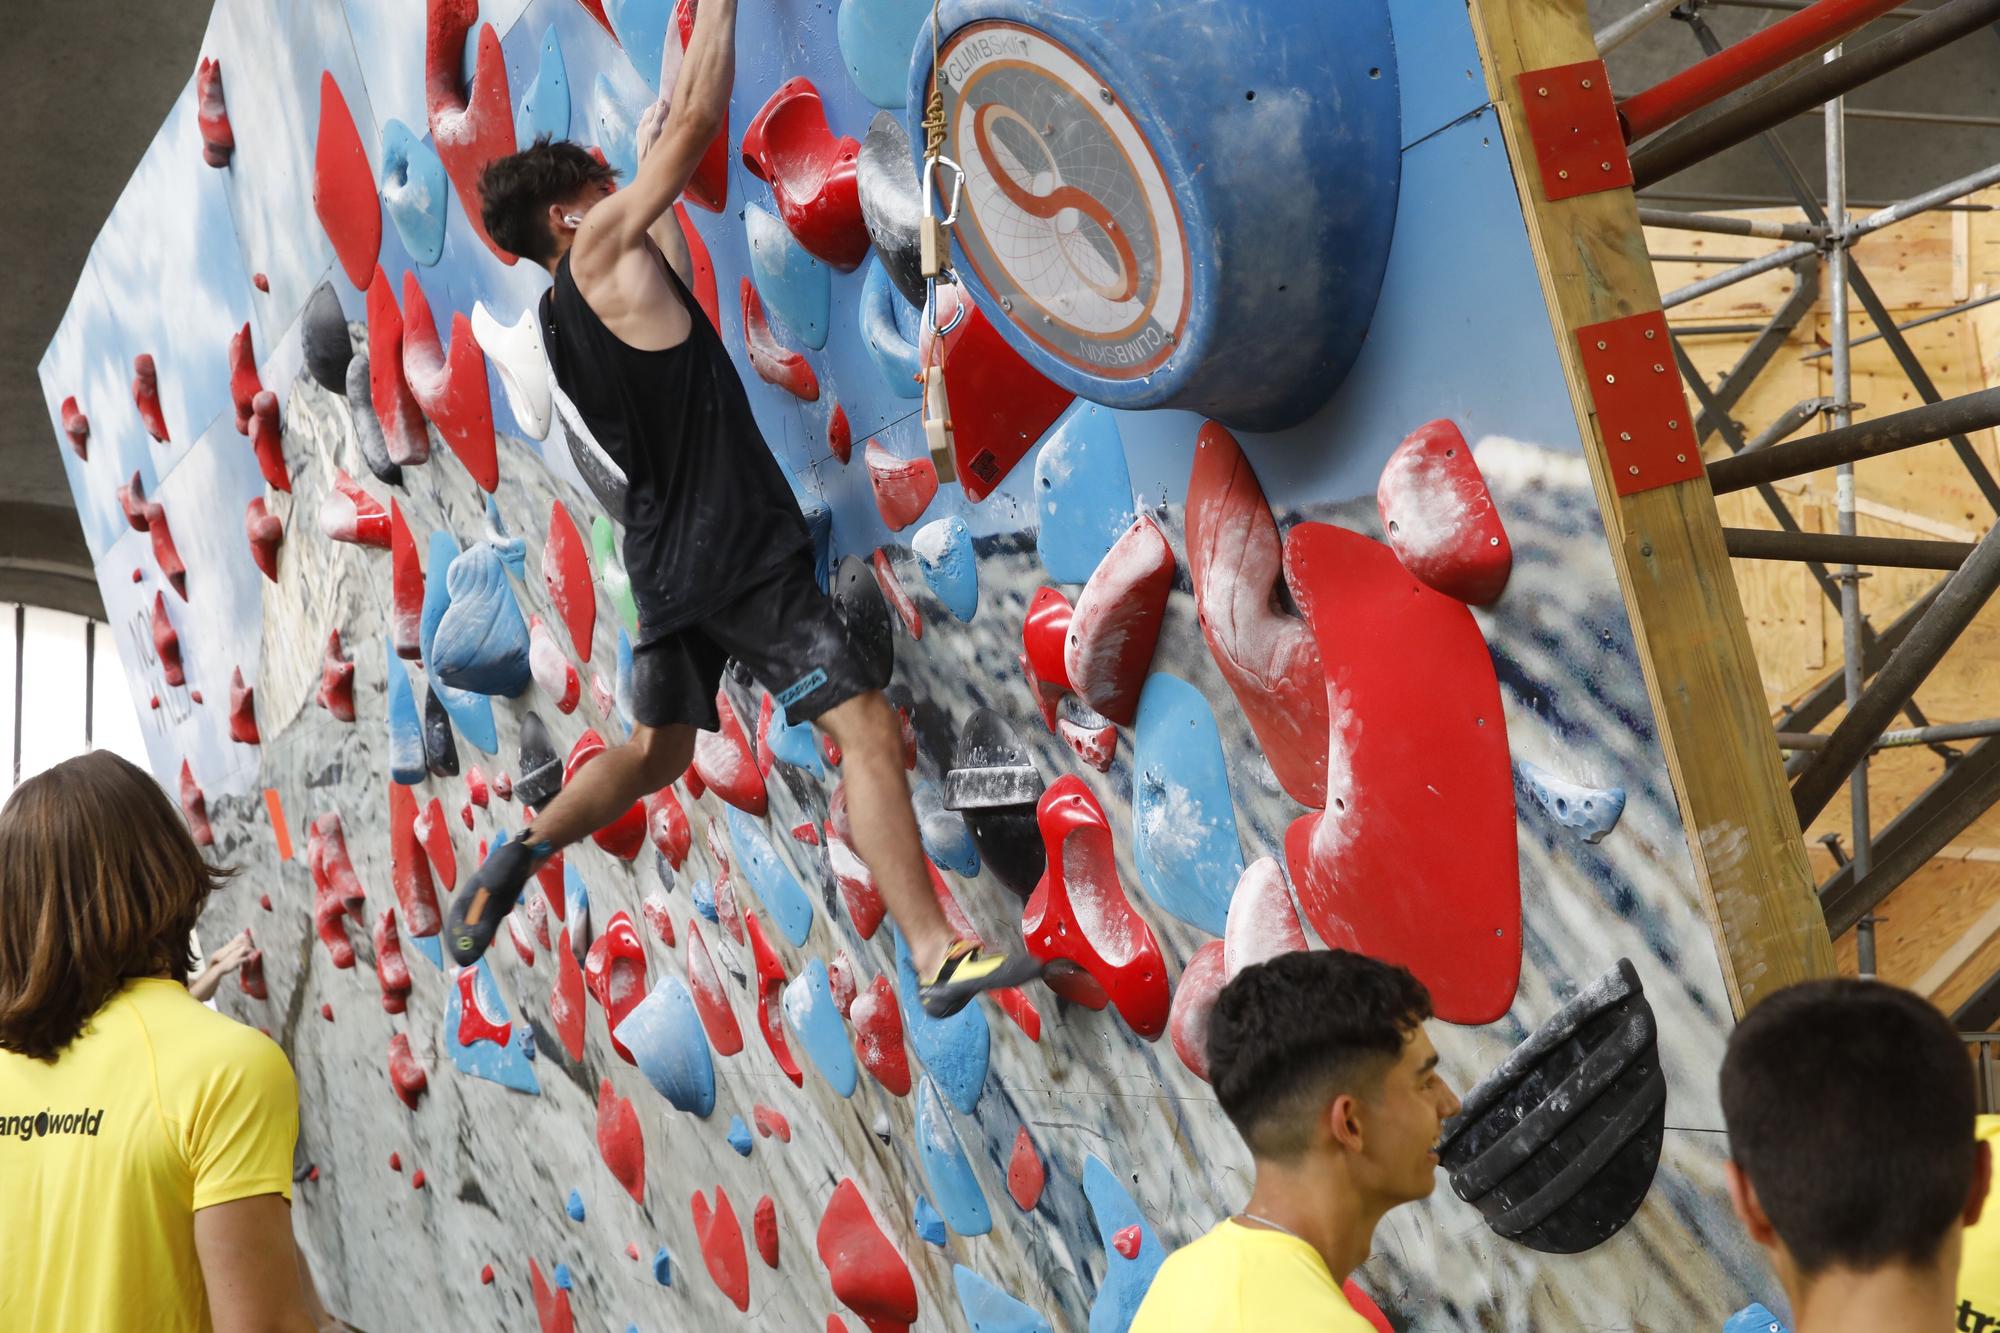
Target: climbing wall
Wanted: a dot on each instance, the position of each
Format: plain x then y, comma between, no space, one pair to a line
1263,603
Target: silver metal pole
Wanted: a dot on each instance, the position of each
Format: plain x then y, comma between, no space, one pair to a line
1619,31
1900,736
1843,415
1729,226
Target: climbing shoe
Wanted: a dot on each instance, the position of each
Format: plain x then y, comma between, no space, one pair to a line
479,907
969,968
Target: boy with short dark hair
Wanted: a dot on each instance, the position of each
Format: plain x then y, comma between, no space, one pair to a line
1853,1161
1322,1063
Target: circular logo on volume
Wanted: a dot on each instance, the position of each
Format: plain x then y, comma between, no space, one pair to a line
1067,217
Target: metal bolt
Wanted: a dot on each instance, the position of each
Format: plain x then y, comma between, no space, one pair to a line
1658,368
1104,96
1633,470
1673,425
1562,175
1604,166
1610,379
1625,435
1600,344
1680,458
1645,548
1541,92
1586,83
1649,333
1006,304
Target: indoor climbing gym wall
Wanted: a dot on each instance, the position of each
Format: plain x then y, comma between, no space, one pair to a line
1259,599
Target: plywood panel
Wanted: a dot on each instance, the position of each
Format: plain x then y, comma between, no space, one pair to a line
1781,602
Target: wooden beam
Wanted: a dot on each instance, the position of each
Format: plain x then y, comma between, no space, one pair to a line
1666,544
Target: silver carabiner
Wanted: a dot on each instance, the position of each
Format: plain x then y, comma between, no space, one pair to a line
930,310
931,164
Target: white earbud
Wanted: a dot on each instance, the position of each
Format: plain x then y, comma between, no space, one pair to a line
573,219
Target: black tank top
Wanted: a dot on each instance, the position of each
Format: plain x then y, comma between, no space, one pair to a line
707,508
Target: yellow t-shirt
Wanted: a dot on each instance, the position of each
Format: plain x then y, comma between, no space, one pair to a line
1979,1267
159,1108
1246,1279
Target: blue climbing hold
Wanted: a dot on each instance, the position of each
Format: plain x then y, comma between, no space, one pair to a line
414,191
1591,812
431,947
929,1225
480,641
470,712
889,330
663,1267
810,1011
505,1063
406,730
664,1034
545,107
563,1279
875,41
576,906
614,127
793,742
513,550
988,1309
947,840
946,1168
739,1136
1754,1318
1184,841
704,901
574,1207
641,28
1083,493
1125,1280
955,1050
797,288
780,893
944,550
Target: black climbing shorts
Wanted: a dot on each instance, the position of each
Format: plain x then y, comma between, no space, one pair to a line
782,628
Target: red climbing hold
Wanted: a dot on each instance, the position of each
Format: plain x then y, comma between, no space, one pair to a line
503,786
266,532
709,185
1262,921
403,434
811,173
1420,789
211,115
264,901
1126,1241
405,1074
146,394
840,438
770,1123
395,1161
336,888
524,945
701,266
167,643
406,587
869,1276
1025,1173
242,710
350,514
865,907
1364,1306
486,1274
893,594
830,750
770,998
695,786
724,761
417,1179
475,787
468,135
77,426
614,971
336,680
260,281
1043,636
409,866
878,1036
764,1226
595,8
765,756
840,981
904,487
435,834
806,833
625,835
244,386
551,1302
1117,622
390,969
619,1141
773,361
150,517
657,918
566,571
721,1239
566,999
667,826
250,976
1000,405
728,912
1022,1010
551,668
326,1011
1096,746
711,1001
1079,912
267,441
1440,518
1266,655
344,189
451,389
1194,1000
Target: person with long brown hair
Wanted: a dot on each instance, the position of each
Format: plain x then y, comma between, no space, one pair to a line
145,1140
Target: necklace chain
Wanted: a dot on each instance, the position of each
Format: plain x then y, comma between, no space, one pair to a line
1267,1222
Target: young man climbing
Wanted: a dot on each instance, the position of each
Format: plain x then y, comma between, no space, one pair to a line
1322,1063
719,557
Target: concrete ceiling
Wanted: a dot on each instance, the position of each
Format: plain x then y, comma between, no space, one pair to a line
88,81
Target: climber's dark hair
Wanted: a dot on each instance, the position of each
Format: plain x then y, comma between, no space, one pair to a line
1290,1034
1850,1107
100,882
515,193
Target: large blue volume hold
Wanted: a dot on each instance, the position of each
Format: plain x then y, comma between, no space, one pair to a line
1125,1280
988,1309
1184,841
810,1010
414,191
955,1050
471,712
664,1034
1083,493
480,642
947,1169
780,893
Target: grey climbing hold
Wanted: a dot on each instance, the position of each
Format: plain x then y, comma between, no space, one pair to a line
367,428
1590,811
541,767
323,333
857,597
990,765
440,750
892,203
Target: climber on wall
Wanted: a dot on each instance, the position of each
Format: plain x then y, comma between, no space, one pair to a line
720,560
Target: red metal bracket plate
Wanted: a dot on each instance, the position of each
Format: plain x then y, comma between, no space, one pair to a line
1573,123
1642,408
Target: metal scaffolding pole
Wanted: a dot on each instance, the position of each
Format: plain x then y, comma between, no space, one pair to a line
1809,88
1866,439
1901,736
1909,324
1844,548
1945,809
1728,226
1777,331
1622,30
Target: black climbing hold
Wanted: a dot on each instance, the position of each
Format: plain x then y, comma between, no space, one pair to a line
892,204
541,768
1557,1146
994,782
323,331
603,476
367,428
440,750
857,597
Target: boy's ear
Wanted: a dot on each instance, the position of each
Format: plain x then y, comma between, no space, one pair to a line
1743,1198
1343,1121
1982,1181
